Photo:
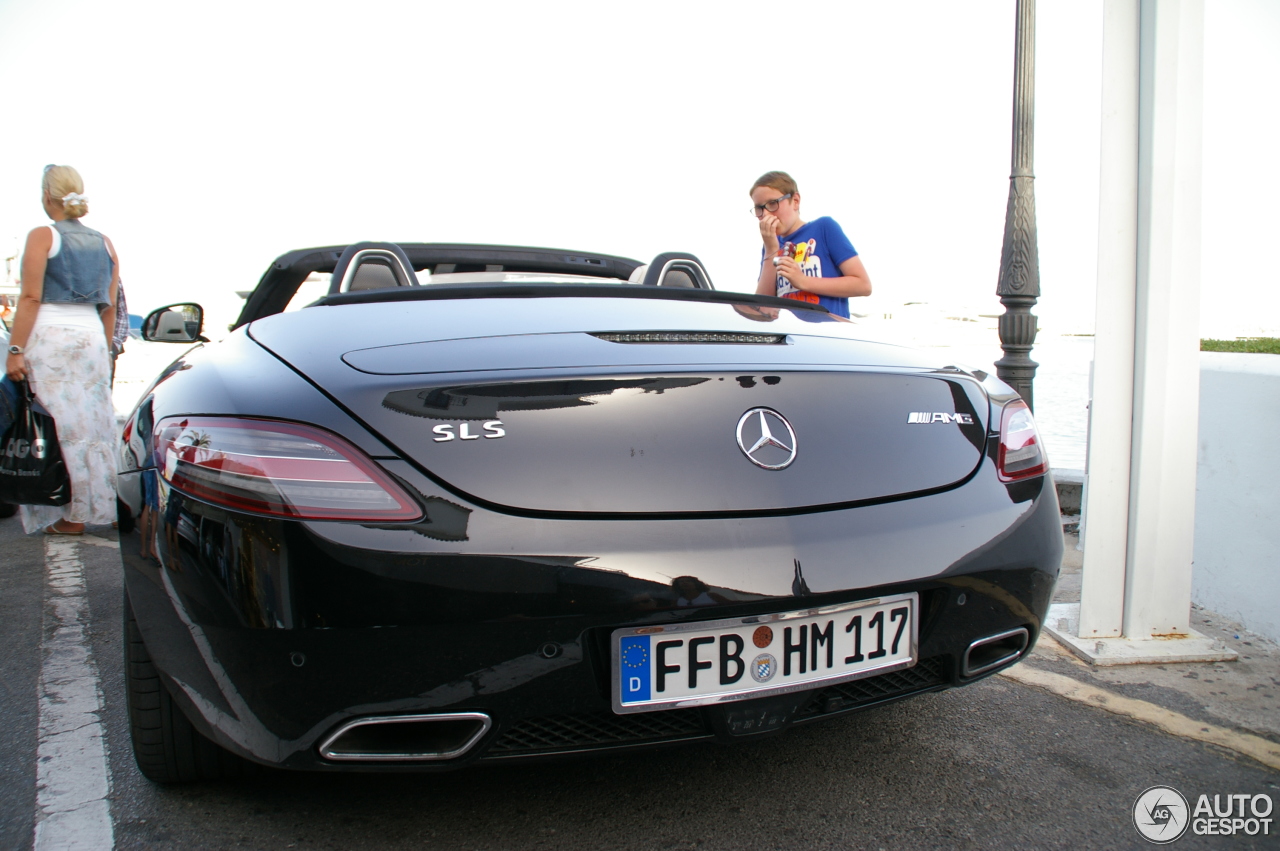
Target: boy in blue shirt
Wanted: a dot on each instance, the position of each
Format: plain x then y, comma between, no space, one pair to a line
822,267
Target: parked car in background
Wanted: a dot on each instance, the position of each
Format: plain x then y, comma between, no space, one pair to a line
484,503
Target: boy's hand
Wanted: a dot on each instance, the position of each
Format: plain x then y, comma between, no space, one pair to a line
769,231
788,268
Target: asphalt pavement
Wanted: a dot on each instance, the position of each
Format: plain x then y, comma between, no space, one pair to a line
1027,760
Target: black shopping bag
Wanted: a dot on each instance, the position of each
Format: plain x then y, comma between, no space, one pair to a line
31,468
8,402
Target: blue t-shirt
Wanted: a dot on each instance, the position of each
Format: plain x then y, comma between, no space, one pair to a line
826,247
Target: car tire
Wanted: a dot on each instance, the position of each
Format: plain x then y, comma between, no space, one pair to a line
7,509
167,748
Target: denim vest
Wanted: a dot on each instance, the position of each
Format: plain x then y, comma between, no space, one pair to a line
80,273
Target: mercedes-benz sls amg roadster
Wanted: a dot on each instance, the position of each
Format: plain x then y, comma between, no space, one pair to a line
428,506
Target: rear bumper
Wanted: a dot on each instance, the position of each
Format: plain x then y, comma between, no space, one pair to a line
273,634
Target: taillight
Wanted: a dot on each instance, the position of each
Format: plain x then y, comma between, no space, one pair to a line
278,469
1021,452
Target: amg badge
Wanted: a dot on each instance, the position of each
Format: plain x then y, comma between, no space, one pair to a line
927,417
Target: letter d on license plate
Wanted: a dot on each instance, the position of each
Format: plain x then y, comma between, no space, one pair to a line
691,664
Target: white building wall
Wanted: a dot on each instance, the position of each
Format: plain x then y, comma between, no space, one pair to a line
1236,566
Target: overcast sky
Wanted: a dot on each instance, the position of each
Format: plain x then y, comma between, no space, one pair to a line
213,138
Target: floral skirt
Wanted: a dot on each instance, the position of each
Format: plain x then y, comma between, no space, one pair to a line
70,372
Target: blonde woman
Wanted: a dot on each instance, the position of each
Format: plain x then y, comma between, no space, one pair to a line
59,342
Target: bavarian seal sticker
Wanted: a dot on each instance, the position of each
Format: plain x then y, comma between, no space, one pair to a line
762,637
764,667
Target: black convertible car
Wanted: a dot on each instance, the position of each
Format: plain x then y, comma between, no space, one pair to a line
481,503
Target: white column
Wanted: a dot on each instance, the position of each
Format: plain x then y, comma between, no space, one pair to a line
1106,507
1142,442
1162,498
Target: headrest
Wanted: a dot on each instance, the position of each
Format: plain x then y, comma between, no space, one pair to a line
372,265
171,323
677,269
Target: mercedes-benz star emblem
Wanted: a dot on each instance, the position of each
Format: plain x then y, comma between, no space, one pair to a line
766,438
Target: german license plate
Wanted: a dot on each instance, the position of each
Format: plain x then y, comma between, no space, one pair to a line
692,664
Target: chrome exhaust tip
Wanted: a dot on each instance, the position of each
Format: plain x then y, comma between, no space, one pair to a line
406,738
993,651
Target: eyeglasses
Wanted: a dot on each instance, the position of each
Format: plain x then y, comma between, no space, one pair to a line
771,206
49,167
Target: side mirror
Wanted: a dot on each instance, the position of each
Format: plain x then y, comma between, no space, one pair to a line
177,323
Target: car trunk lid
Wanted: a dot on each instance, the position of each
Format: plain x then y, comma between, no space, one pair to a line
576,422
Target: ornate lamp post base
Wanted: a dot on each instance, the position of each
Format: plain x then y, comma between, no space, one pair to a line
1017,335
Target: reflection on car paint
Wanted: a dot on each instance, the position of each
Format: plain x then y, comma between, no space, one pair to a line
443,520
485,401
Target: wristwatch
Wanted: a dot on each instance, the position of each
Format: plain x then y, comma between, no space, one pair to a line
15,350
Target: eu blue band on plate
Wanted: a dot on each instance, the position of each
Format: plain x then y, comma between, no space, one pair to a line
633,658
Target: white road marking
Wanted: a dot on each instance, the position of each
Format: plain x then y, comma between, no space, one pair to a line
1254,747
72,778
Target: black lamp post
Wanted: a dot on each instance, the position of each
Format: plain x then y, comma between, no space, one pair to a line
1019,286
